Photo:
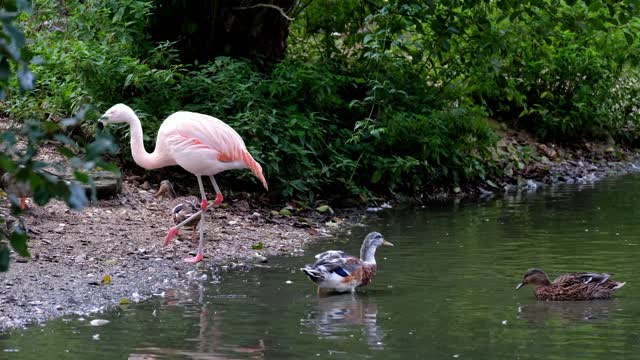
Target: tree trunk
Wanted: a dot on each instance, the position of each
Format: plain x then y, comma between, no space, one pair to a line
205,29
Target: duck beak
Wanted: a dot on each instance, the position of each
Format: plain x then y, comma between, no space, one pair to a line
519,285
385,242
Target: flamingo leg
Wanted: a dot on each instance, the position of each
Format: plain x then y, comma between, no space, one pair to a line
173,231
219,197
203,210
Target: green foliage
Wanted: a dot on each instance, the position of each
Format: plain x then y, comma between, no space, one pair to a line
20,161
12,49
557,68
374,97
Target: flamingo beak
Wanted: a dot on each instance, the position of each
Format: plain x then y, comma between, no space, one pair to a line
519,285
385,242
104,119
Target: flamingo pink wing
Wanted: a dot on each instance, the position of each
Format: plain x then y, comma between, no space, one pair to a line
205,145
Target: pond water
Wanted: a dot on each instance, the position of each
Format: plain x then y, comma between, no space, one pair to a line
446,290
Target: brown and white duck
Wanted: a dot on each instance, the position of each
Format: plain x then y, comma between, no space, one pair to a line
571,286
341,272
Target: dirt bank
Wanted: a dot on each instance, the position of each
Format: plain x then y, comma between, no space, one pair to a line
123,238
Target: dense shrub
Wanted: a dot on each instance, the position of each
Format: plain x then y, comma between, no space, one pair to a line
375,96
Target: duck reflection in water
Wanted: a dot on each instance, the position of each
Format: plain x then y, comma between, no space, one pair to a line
335,316
540,312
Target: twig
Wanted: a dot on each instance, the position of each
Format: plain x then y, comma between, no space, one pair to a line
280,10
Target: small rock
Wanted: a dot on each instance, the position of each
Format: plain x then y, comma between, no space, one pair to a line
98,322
260,258
548,151
96,337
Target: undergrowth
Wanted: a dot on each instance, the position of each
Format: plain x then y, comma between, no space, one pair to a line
381,97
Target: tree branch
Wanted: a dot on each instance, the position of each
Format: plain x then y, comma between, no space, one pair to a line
280,10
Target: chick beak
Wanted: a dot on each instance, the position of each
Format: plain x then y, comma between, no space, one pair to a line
161,191
385,242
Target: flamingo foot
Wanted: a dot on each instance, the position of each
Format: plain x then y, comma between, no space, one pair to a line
218,199
195,259
203,205
173,232
23,203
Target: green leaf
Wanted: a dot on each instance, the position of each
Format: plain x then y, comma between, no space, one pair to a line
629,37
80,176
258,246
285,212
4,257
491,183
324,209
19,242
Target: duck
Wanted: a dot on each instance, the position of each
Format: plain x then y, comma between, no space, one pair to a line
182,207
20,189
340,272
571,286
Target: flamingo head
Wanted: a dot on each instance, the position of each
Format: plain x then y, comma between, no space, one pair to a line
116,114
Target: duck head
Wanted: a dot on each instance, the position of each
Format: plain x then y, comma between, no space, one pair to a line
369,246
535,277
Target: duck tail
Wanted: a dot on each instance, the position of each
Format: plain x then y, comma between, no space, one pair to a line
312,273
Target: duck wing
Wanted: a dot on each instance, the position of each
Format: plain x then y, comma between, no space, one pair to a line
582,278
333,262
183,208
331,254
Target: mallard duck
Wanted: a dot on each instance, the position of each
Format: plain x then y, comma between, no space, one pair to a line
341,272
571,286
17,188
182,207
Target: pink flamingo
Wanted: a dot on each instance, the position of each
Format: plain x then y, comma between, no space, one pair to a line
200,144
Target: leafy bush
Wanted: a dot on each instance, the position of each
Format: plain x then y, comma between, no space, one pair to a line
558,64
19,162
377,97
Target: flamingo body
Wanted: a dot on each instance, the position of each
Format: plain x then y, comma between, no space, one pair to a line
199,143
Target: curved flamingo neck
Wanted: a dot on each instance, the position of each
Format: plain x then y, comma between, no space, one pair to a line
140,155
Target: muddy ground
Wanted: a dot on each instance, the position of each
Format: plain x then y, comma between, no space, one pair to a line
123,237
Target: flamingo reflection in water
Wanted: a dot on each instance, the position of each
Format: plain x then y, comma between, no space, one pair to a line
335,316
211,344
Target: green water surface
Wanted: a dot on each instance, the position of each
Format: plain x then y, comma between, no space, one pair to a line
446,290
